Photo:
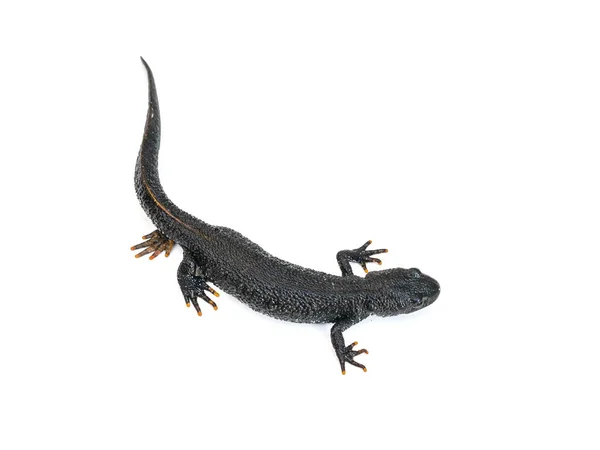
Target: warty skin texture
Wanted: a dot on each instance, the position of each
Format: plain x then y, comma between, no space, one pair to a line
265,283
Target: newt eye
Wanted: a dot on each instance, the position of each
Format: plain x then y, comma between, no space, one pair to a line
414,273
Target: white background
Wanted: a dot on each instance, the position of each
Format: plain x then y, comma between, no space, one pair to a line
463,136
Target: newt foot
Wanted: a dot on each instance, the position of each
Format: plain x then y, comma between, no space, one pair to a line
362,256
157,243
191,294
347,356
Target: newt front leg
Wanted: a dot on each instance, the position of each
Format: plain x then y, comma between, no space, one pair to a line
345,353
359,255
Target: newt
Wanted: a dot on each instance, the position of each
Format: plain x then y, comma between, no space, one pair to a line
231,262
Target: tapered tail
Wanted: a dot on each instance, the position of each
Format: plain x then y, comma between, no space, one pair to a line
147,164
163,212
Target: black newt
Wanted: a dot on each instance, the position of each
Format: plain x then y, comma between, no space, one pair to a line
268,284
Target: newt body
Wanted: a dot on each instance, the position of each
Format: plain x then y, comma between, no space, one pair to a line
265,283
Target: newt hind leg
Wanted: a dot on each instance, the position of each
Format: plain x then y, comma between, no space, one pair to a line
192,284
157,243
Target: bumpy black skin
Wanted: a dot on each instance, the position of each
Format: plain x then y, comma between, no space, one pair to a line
267,284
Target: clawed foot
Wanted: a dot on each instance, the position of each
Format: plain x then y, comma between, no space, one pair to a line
362,256
347,356
157,243
191,294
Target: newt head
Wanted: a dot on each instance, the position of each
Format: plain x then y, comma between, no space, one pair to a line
401,291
